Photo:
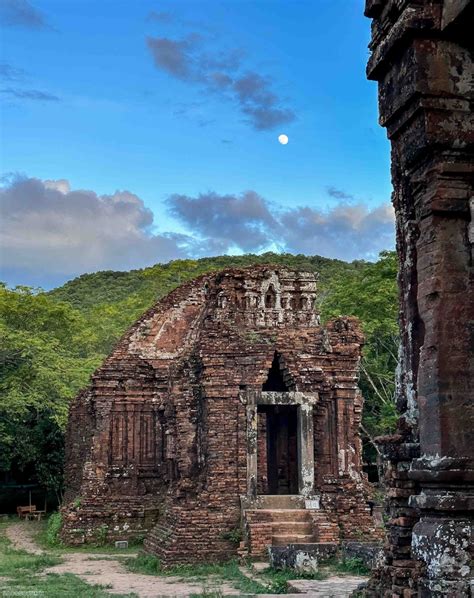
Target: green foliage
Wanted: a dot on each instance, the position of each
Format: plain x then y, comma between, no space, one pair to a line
101,534
353,565
47,354
53,529
370,293
234,535
148,564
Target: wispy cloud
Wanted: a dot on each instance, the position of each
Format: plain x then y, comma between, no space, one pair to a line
222,73
160,17
30,94
21,13
339,194
11,73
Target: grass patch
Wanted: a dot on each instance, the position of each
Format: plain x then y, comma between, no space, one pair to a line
229,571
146,564
18,562
208,593
51,586
278,578
353,566
20,570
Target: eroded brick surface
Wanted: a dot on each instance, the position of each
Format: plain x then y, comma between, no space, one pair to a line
159,444
422,57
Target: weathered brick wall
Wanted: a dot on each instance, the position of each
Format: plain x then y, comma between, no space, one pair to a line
169,427
422,55
259,532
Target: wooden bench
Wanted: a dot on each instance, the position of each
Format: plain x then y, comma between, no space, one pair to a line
23,512
35,515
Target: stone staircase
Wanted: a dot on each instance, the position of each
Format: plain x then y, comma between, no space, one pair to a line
281,520
291,526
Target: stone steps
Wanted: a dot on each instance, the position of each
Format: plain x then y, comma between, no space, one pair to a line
286,515
284,540
292,527
283,520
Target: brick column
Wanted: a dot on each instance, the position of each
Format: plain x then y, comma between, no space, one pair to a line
422,58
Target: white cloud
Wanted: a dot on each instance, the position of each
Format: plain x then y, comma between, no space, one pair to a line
47,228
50,232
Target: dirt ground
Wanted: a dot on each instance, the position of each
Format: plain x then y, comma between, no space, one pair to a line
108,570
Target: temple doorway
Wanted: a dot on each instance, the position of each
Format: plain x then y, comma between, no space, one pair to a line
277,452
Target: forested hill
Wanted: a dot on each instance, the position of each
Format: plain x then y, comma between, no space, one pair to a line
53,341
154,282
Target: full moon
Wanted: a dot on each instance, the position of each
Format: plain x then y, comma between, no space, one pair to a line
283,139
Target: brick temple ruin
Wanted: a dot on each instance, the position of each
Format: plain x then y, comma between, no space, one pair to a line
226,409
422,55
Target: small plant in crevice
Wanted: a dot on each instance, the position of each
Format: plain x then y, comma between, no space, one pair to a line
234,535
77,502
101,534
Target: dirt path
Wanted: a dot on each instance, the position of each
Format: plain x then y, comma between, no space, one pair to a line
21,536
107,570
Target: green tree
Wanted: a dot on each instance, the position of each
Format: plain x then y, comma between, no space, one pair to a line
47,354
370,293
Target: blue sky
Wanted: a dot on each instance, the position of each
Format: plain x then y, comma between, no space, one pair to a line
163,118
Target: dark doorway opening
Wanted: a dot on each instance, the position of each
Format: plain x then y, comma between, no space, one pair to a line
275,381
277,452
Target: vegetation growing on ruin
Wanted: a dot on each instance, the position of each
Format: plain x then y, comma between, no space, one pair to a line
53,341
53,528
